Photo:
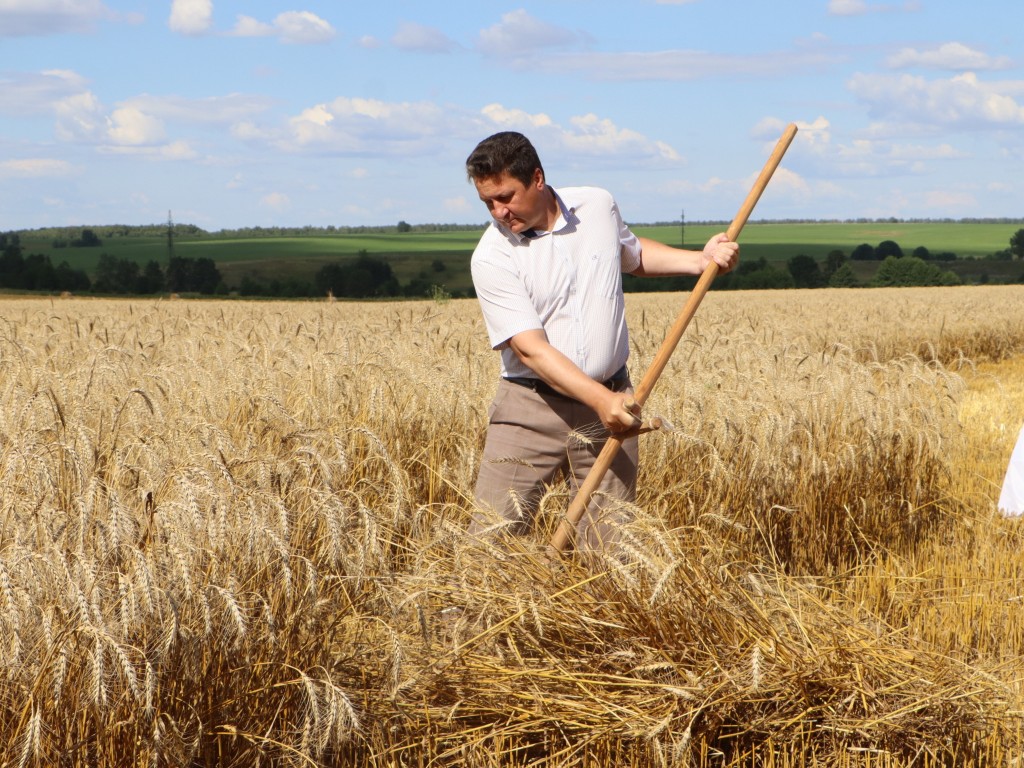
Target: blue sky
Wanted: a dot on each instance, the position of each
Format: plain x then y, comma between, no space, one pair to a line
232,113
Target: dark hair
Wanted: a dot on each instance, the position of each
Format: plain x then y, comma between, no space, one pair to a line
506,152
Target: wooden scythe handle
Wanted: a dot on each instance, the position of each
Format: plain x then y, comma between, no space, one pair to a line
614,442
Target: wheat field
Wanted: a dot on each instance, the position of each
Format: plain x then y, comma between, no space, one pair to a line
231,534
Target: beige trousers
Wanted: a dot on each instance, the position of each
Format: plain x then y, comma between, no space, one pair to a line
530,444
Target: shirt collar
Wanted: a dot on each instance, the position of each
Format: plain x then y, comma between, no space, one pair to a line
566,219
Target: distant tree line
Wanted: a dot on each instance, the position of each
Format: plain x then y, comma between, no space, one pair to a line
887,248
401,227
802,271
35,272
183,275
113,275
62,237
88,239
363,278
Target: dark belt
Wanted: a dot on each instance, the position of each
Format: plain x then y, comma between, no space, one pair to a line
618,381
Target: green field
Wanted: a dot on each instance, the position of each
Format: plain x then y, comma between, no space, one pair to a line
227,250
296,257
413,253
972,242
779,242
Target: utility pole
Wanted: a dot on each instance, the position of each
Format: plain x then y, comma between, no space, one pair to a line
682,228
170,239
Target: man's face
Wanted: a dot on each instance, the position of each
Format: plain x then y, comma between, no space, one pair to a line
519,207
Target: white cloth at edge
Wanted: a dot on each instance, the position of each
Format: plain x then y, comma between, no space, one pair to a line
1011,500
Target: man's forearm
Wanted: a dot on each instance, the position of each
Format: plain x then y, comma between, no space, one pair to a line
616,410
554,368
660,260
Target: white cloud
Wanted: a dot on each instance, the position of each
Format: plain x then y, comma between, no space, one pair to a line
856,157
23,18
375,128
312,126
789,188
175,150
1014,152
303,27
247,26
918,152
588,136
515,119
276,201
868,157
234,107
674,65
79,118
963,101
297,27
518,34
847,7
191,17
786,181
767,127
36,93
949,56
178,150
416,37
130,126
249,131
34,167
859,7
139,121
135,126
597,136
817,131
368,126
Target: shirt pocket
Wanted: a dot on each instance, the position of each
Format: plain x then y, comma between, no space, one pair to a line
604,273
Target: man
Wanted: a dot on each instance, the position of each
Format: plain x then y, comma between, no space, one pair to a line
548,275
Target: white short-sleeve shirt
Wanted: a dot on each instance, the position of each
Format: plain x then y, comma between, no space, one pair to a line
567,282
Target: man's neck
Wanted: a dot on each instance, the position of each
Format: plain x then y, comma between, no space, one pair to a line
552,211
